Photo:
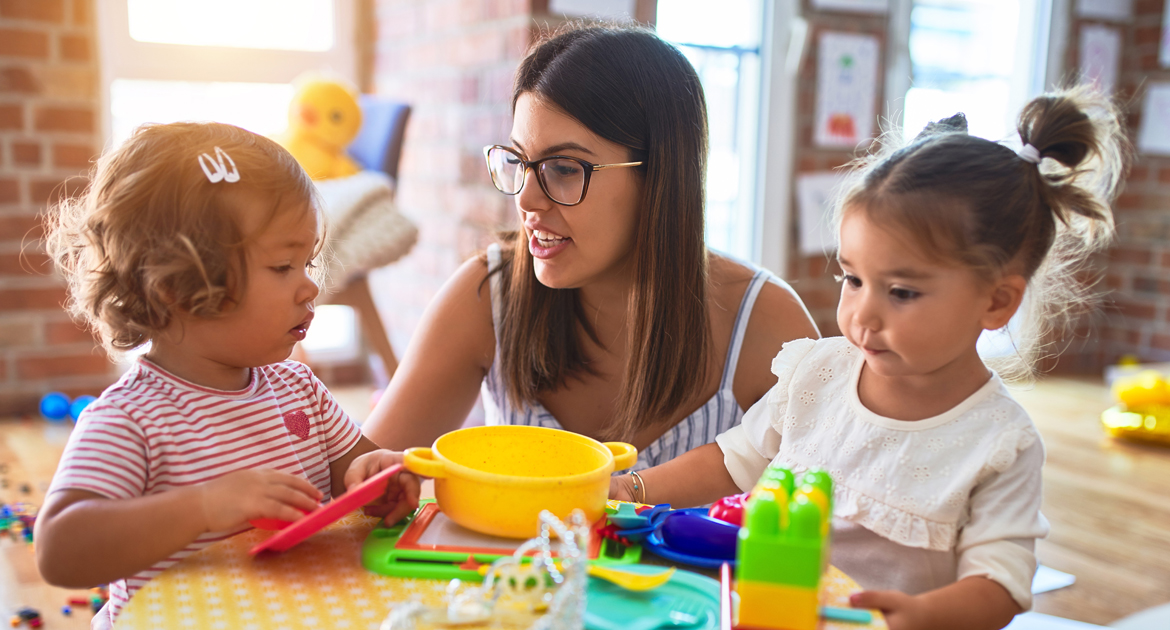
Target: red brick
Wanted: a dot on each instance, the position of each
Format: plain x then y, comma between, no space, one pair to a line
81,11
57,333
1160,342
1164,175
54,190
18,80
30,368
78,119
75,47
1166,260
1139,174
11,117
22,43
26,153
25,263
17,333
1130,255
21,227
9,191
29,299
1147,35
40,10
1152,7
1147,284
73,155
1135,309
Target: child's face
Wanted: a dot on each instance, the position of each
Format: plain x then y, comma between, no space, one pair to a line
910,315
276,306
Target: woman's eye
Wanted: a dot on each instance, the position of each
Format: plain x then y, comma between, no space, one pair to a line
511,160
566,170
904,295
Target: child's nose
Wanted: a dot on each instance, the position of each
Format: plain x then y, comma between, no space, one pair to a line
868,313
310,290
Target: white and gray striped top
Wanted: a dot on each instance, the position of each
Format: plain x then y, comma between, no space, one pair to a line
719,414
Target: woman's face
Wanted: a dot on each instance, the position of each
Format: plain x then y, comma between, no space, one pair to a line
574,246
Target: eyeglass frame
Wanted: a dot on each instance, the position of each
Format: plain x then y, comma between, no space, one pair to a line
587,166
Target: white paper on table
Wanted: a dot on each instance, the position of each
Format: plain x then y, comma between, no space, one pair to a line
1100,56
846,89
1121,10
854,6
1049,579
814,196
1154,133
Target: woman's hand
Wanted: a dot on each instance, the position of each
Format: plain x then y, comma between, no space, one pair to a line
902,611
245,495
621,488
401,496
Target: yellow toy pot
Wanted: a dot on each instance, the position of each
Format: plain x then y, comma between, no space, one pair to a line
497,479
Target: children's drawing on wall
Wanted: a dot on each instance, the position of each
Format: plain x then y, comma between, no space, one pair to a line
1100,56
846,89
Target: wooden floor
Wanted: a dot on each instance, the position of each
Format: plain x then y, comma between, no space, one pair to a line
1108,501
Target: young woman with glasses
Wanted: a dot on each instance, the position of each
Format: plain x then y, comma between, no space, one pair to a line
604,314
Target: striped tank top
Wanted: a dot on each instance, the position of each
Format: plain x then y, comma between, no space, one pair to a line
717,415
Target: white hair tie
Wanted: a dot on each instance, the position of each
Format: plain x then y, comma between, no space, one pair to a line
216,170
1029,153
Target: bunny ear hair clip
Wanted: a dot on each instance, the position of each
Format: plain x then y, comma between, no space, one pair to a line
216,169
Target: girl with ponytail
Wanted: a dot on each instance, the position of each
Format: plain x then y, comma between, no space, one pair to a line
936,468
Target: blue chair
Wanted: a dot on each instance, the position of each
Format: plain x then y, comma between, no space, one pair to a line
378,144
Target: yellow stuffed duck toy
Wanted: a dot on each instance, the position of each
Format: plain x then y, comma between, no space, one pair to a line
323,119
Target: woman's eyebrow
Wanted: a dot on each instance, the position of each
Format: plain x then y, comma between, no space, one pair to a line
556,148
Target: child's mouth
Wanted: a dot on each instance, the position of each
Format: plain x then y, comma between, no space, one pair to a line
300,330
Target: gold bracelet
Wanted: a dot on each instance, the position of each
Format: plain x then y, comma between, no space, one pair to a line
639,484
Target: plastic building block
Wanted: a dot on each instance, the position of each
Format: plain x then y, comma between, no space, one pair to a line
783,550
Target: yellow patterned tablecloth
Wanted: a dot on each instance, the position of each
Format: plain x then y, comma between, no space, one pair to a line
320,583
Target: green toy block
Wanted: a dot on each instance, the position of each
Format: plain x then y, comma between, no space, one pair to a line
784,539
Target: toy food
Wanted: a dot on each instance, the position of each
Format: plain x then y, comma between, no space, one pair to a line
323,118
497,479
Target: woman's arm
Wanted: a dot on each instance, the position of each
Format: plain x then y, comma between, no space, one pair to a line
438,380
696,477
777,318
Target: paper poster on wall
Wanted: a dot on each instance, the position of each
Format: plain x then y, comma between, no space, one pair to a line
1164,51
604,9
814,199
1100,56
846,89
853,6
1120,10
1154,133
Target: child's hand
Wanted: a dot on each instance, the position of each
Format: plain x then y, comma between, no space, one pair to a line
902,611
621,488
236,498
402,491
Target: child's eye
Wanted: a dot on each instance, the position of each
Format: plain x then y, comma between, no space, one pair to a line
904,295
282,269
851,280
310,265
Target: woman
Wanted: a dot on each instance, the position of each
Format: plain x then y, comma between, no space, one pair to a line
604,314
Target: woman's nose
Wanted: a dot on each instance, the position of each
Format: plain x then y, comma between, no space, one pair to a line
531,197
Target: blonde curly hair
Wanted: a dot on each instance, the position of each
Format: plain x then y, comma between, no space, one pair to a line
153,236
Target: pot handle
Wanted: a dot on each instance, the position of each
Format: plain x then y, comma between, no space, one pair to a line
422,461
624,455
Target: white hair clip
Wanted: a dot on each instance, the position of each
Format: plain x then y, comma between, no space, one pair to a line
1029,153
220,172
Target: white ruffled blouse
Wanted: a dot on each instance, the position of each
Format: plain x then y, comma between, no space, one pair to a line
917,504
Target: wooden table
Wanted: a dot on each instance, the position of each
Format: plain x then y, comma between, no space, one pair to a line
317,584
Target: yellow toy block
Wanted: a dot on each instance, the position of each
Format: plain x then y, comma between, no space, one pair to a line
766,606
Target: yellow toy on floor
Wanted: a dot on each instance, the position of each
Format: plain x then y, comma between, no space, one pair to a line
1144,412
323,119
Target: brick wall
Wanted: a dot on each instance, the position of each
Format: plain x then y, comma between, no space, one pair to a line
48,134
1137,318
812,276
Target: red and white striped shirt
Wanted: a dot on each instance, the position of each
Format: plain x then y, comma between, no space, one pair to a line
152,432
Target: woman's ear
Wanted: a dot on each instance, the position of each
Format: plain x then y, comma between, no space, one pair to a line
1006,295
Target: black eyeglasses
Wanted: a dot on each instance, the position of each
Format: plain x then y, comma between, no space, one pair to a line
564,179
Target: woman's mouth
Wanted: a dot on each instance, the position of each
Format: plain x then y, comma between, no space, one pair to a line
545,245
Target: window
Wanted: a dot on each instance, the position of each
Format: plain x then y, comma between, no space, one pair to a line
724,47
984,58
229,61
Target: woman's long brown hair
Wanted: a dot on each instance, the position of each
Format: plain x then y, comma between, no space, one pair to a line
628,86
